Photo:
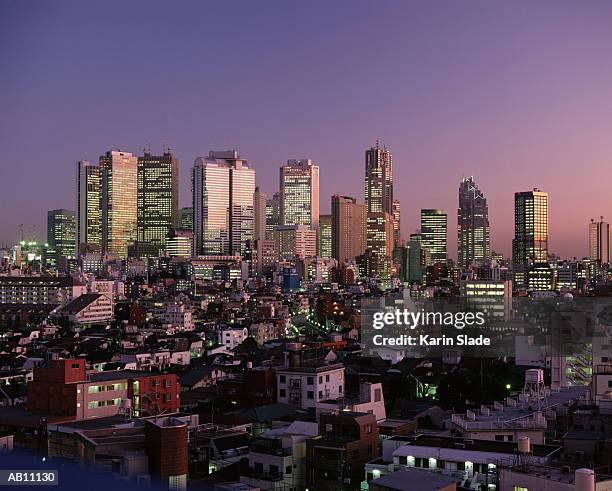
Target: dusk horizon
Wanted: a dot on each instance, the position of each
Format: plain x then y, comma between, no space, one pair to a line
517,96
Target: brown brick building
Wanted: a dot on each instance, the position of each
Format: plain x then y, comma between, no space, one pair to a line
65,388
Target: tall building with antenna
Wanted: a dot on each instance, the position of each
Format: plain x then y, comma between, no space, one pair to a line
378,193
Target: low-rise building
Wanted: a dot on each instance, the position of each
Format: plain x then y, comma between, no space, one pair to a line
89,308
39,290
277,460
65,388
336,458
306,386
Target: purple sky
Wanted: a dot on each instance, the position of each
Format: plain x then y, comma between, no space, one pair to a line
518,94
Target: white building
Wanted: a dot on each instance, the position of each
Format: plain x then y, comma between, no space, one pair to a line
231,337
89,308
307,386
477,460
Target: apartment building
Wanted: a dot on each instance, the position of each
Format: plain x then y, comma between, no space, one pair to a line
65,388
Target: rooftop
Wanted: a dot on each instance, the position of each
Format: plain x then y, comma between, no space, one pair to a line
79,303
409,479
518,412
471,445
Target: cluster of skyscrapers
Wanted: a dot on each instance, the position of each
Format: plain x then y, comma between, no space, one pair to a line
128,205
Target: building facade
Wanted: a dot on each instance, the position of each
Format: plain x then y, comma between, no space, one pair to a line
259,204
299,193
64,388
378,192
324,237
473,235
118,201
272,215
88,215
295,241
599,241
223,191
348,228
158,188
530,242
434,225
61,232
397,233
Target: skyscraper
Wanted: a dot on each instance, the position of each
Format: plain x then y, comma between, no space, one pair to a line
348,223
186,218
434,234
61,232
272,215
473,237
118,201
397,233
259,204
299,193
223,190
530,227
599,241
88,215
378,192
414,259
324,237
158,183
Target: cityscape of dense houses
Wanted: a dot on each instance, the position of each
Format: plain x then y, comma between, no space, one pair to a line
220,346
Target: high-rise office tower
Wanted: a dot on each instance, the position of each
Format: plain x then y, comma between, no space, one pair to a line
434,234
414,259
397,233
378,192
61,232
186,218
599,241
272,215
158,183
299,193
530,227
324,237
88,215
259,203
223,189
473,237
118,201
348,228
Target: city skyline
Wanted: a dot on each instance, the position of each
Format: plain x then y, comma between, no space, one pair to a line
455,105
